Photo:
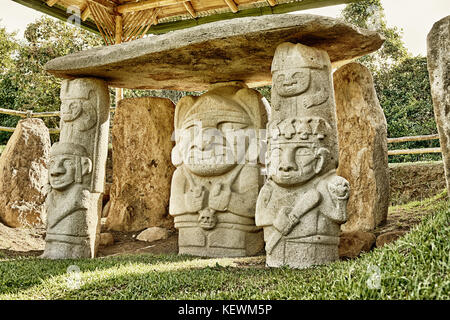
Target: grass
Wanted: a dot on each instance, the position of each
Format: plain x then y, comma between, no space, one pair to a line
417,266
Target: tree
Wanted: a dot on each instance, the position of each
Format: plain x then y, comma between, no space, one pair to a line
369,14
24,84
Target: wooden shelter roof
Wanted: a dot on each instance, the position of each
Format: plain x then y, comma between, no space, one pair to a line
124,20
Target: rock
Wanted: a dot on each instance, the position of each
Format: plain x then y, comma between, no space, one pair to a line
77,171
363,155
106,239
438,42
236,49
153,234
388,237
351,244
21,239
303,202
24,174
105,210
142,172
217,180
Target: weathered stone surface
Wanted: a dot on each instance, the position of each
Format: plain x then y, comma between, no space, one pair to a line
77,171
388,237
237,49
142,171
21,239
106,239
363,154
303,203
153,234
23,175
351,244
438,56
217,180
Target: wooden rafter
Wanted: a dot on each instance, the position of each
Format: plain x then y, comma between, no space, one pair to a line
190,9
104,20
232,5
146,4
51,3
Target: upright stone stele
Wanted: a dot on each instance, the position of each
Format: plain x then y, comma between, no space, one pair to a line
363,154
77,171
217,180
142,172
303,203
438,57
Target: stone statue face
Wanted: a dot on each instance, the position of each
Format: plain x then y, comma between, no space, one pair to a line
292,82
208,150
292,164
207,219
62,171
71,109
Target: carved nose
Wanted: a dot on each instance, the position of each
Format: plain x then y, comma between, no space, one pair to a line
57,171
286,167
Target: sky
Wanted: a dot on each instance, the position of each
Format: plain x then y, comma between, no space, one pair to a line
415,17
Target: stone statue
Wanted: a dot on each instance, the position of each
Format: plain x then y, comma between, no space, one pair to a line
303,203
217,180
77,171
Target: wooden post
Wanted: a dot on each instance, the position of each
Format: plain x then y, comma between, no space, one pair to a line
119,31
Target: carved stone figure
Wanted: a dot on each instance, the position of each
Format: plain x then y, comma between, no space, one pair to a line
77,171
303,203
217,180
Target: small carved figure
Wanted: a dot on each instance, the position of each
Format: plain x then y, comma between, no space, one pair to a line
303,202
68,202
217,180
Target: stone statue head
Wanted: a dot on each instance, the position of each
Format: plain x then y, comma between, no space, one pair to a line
297,152
80,99
291,68
69,164
212,130
207,219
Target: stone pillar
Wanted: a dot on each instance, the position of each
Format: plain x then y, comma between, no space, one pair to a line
217,180
77,170
438,42
303,203
142,172
363,154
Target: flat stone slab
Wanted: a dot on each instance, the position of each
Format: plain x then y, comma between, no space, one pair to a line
238,49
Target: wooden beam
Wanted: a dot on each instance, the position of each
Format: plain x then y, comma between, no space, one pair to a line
413,151
413,138
146,4
232,5
190,9
86,13
51,3
272,2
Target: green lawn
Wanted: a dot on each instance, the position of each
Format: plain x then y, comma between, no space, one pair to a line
416,266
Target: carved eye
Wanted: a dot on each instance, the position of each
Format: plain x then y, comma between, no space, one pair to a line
303,152
281,78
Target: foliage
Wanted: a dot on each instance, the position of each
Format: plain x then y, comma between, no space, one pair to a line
417,266
369,14
25,85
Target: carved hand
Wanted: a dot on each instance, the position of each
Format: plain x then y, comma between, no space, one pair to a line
194,199
219,197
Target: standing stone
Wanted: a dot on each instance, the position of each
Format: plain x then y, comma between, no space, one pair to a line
438,42
23,175
77,171
142,171
363,154
217,180
303,203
